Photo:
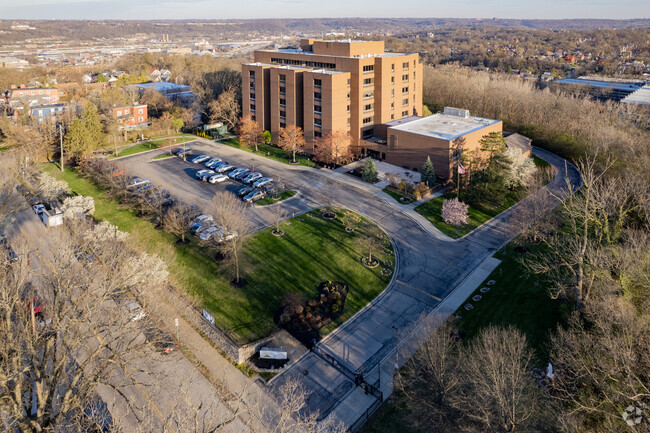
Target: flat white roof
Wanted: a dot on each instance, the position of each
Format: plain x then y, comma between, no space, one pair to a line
445,127
641,96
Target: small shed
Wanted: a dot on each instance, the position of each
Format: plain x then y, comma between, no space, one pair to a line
52,217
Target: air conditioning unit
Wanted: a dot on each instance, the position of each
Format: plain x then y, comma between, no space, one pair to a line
456,112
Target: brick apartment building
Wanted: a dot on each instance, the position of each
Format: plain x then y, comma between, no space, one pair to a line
133,117
326,86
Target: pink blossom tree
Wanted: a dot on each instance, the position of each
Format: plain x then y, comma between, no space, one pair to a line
454,212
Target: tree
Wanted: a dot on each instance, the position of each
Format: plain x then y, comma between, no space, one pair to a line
279,213
454,212
178,124
156,102
177,219
250,132
371,241
292,139
267,137
369,172
78,205
231,216
225,108
521,170
333,148
10,200
428,175
494,145
86,134
50,188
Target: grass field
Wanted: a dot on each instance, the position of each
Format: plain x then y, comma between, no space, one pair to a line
149,145
397,196
270,200
311,251
163,156
271,152
432,210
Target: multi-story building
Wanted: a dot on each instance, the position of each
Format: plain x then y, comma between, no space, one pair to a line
326,86
134,117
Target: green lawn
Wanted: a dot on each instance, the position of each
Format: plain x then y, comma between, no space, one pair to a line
149,145
517,298
270,200
539,162
163,156
397,196
271,152
311,251
432,210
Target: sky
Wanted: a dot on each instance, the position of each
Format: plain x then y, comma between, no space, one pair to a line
218,9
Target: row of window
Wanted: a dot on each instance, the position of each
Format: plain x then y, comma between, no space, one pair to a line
309,64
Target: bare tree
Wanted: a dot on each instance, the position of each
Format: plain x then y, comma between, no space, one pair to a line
225,108
176,220
278,213
371,241
10,200
231,216
292,139
333,148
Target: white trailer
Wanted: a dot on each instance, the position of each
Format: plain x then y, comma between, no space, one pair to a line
52,218
272,353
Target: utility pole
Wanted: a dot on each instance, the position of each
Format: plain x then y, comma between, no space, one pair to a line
61,140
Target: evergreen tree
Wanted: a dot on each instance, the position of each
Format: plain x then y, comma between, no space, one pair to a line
369,173
428,175
85,134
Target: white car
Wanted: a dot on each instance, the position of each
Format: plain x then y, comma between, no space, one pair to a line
133,310
237,172
224,168
200,158
262,182
224,235
38,209
212,162
208,233
252,177
201,173
218,178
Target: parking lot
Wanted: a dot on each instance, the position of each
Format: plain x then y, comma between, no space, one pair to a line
179,177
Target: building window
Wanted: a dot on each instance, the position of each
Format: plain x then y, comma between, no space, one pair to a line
368,68
392,80
317,95
392,67
252,96
348,110
119,112
317,108
405,77
367,120
251,74
318,123
348,82
318,134
140,111
47,91
348,122
348,96
252,107
392,117
140,119
405,65
253,117
283,101
368,81
368,133
405,113
367,107
283,125
317,82
405,89
392,105
392,93
405,101
283,114
127,111
283,90
368,95
283,79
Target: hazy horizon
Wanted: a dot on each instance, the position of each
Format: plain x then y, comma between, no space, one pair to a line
292,9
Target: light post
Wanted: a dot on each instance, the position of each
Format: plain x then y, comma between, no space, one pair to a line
61,140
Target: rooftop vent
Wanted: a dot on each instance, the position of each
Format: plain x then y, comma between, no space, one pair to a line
457,112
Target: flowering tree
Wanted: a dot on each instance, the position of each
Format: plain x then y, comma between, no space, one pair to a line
78,205
521,170
49,188
454,212
102,233
146,272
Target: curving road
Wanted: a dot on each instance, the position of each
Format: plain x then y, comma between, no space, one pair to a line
430,265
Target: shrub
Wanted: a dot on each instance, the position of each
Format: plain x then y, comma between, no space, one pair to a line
298,309
335,308
285,318
369,173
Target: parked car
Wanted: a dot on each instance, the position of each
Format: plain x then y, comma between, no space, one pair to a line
224,168
205,226
143,189
218,178
224,235
199,159
236,172
133,310
244,191
38,209
184,153
200,226
252,177
212,161
137,182
37,305
201,218
243,175
199,173
207,233
262,182
180,150
205,176
254,196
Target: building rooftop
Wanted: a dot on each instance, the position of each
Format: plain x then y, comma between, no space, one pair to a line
616,85
311,53
445,126
162,86
641,96
259,64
